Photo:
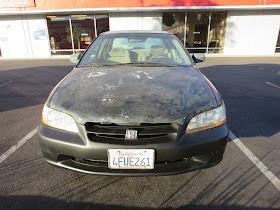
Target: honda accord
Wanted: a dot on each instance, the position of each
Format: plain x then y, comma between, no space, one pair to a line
135,104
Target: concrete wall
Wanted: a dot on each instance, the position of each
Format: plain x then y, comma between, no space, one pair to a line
40,46
251,32
12,37
17,37
136,21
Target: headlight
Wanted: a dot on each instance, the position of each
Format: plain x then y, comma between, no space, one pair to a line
60,120
206,120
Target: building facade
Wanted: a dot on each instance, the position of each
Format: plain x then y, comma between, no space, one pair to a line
43,29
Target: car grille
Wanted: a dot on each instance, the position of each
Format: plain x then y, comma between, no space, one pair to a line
146,131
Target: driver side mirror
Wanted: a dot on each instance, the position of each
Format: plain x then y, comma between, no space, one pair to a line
74,58
198,57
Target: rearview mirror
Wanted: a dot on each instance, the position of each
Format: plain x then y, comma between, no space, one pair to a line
198,57
74,58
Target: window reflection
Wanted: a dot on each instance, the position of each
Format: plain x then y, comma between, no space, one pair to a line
102,23
81,34
217,32
83,30
197,31
59,37
174,23
200,36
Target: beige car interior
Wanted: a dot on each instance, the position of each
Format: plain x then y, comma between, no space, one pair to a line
121,55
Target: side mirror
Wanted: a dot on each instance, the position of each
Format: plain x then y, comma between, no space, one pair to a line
198,57
74,58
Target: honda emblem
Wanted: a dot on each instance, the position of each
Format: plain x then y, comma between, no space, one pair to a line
131,135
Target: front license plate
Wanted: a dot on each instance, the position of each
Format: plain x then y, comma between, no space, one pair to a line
131,158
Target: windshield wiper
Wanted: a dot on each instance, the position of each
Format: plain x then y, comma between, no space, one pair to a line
91,65
145,64
142,64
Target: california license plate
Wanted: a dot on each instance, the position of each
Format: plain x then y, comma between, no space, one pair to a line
131,158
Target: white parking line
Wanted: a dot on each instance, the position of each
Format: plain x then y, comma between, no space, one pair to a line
18,145
272,84
6,83
271,177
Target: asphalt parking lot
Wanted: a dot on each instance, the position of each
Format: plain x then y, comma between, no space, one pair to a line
250,88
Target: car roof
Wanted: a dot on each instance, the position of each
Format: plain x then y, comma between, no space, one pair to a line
136,32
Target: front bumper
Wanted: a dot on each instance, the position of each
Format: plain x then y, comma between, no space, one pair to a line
193,151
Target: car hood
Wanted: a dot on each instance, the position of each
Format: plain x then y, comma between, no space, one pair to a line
130,94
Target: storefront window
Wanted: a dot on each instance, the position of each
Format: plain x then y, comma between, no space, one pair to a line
174,23
277,50
205,31
217,32
197,31
102,23
74,33
60,38
83,30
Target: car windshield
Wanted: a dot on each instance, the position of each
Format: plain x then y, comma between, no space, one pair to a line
135,49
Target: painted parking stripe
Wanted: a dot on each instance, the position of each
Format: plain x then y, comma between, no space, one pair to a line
18,145
272,84
6,83
271,177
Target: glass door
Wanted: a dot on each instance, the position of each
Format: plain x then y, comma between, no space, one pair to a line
83,30
197,31
59,35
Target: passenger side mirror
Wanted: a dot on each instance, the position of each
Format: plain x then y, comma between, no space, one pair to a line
198,57
74,58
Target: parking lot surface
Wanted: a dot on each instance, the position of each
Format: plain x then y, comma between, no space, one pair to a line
250,88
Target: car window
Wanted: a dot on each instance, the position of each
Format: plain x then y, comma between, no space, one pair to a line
136,49
132,43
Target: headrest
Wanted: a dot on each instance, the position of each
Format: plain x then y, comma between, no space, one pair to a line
156,50
117,52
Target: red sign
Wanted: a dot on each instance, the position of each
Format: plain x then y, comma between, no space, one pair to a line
16,3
